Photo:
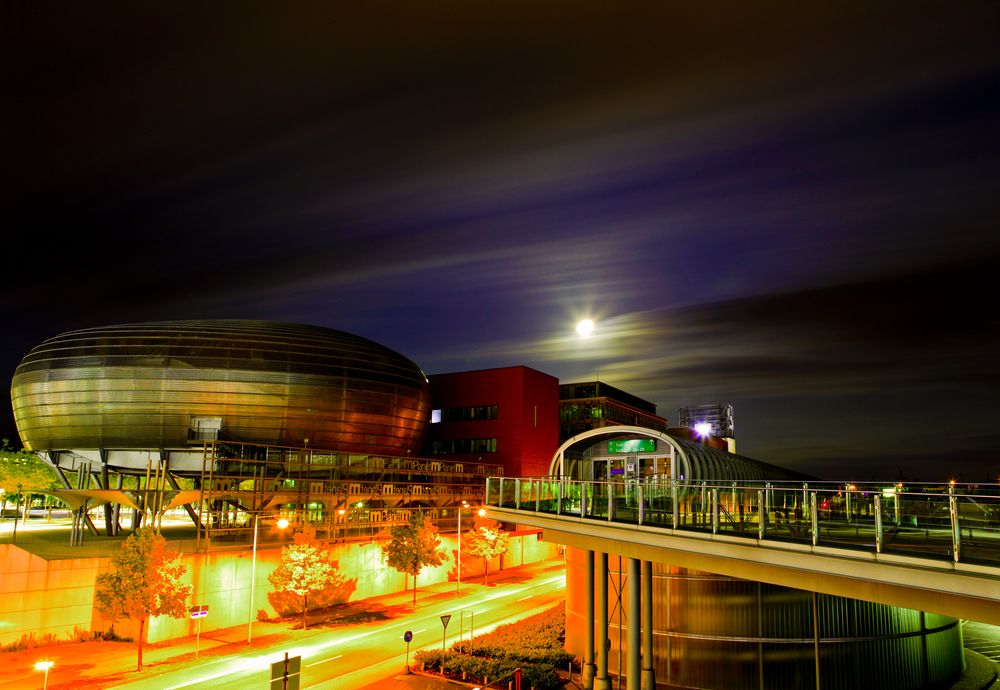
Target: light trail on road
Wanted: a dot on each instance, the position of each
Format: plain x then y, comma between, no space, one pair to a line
367,648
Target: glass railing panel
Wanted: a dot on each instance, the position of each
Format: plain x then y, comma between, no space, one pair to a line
570,499
624,501
833,524
586,498
736,510
979,521
658,506
599,501
492,491
694,507
548,496
787,513
526,496
508,499
916,522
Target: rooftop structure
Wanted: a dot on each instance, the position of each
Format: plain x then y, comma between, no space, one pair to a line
708,420
594,404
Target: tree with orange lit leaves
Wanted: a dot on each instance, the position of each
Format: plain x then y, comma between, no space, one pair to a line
487,541
144,581
413,546
305,568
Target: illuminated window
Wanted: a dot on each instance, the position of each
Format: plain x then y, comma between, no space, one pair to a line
464,445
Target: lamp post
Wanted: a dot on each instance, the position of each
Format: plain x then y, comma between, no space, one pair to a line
44,666
343,524
17,509
282,524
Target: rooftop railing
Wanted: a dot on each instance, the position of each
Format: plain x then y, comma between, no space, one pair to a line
958,522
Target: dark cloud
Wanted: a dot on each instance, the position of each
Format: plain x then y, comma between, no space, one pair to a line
790,207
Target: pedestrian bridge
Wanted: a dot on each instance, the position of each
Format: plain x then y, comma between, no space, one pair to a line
932,548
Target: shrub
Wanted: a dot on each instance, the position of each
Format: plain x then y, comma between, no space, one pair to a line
534,644
539,676
29,641
537,639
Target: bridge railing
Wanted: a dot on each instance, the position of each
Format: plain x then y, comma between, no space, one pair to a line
959,522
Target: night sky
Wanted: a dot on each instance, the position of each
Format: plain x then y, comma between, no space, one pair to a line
790,210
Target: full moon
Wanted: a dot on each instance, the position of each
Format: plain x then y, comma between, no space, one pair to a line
585,328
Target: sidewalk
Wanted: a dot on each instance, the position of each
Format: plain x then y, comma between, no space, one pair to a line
98,664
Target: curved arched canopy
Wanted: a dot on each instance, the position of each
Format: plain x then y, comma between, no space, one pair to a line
633,452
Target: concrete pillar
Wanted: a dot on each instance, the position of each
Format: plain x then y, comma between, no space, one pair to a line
648,673
602,682
589,667
633,667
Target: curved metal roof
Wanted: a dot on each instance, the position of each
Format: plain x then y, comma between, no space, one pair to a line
696,461
146,386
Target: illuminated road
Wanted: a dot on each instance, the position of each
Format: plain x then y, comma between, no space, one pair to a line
359,655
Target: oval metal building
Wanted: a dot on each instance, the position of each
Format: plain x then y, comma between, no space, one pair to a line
173,385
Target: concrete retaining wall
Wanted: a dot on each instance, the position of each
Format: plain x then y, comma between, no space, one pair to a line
54,597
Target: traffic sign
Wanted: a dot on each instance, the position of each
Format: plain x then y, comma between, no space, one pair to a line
444,629
408,636
198,611
285,673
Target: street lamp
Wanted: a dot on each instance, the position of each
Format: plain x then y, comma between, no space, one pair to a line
44,666
343,524
282,524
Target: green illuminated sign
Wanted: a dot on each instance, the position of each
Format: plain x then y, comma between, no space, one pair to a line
632,445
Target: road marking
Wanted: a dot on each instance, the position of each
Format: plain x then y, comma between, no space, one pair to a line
527,597
317,663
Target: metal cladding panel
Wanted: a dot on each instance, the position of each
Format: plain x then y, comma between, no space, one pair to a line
145,385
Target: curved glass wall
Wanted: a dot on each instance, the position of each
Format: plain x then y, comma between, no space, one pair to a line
722,633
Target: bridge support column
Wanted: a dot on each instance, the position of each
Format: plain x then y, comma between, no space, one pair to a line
633,667
648,673
602,682
589,671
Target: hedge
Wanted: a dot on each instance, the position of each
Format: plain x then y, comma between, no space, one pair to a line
539,639
538,676
535,644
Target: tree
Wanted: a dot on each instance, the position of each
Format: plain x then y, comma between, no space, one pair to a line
144,581
21,471
487,541
413,546
305,568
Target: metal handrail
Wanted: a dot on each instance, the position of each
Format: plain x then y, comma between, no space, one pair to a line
958,522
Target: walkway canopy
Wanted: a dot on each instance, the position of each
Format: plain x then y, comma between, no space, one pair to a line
631,452
93,498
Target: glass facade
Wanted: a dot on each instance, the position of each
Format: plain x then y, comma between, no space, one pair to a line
723,633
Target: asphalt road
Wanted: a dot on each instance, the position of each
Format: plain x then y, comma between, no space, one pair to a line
357,655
